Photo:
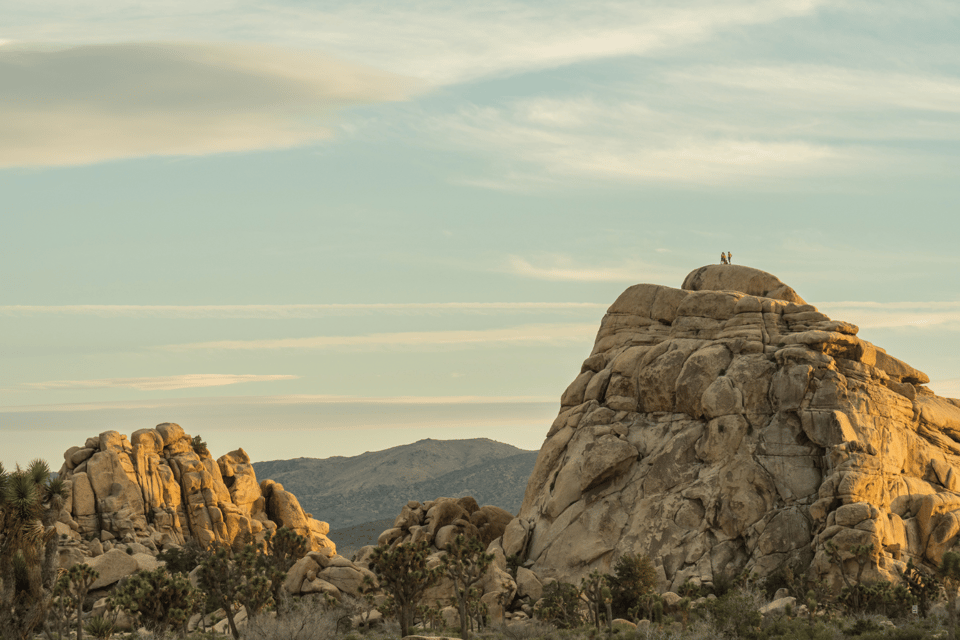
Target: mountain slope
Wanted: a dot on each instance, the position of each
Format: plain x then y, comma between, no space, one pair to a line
375,485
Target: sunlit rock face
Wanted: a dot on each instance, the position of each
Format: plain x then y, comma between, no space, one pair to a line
155,489
728,425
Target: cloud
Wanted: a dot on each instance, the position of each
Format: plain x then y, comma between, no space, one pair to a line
283,311
830,88
161,383
439,42
563,269
890,315
285,400
94,103
629,140
524,335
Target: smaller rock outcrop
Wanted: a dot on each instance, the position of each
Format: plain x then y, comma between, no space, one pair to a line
439,522
159,489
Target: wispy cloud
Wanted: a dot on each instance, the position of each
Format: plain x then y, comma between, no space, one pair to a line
562,268
628,140
889,315
160,383
283,311
524,335
93,103
440,42
306,399
816,88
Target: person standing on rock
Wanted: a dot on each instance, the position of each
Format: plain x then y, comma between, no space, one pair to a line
723,258
729,258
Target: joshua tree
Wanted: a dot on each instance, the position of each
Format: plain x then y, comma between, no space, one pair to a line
72,588
230,579
30,502
465,564
403,573
594,588
158,600
950,573
283,549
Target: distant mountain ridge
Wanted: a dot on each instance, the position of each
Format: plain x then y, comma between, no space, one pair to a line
347,491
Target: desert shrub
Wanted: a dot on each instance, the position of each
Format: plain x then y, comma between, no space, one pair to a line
736,614
911,633
795,629
100,628
302,621
199,446
157,600
183,559
881,598
633,577
560,606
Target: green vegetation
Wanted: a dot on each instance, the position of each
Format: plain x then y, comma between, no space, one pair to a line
465,564
30,501
71,590
157,600
404,575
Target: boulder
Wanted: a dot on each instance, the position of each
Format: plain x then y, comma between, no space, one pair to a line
112,566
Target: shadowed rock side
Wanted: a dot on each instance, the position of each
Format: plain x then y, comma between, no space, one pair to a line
716,431
155,490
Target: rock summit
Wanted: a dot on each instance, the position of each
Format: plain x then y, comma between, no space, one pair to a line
728,426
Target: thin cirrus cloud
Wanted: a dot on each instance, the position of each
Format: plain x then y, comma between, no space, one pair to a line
438,42
282,311
93,103
523,335
282,401
159,383
629,140
560,268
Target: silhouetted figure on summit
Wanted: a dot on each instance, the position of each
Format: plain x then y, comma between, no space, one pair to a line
723,258
729,258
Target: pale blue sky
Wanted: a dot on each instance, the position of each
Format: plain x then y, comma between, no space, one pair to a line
316,229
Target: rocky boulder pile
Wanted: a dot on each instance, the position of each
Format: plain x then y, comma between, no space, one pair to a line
153,490
727,426
438,523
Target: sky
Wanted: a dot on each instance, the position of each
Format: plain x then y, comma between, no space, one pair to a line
323,228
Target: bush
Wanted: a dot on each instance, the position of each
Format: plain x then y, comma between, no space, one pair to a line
183,559
736,614
633,576
787,629
560,606
305,620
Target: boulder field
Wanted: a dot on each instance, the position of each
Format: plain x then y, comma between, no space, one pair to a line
728,426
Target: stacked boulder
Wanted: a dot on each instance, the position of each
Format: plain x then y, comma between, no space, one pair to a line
156,489
729,426
438,523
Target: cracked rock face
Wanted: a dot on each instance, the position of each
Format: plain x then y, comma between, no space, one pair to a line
728,425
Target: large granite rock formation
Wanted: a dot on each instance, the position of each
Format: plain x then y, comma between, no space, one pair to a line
728,425
155,489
